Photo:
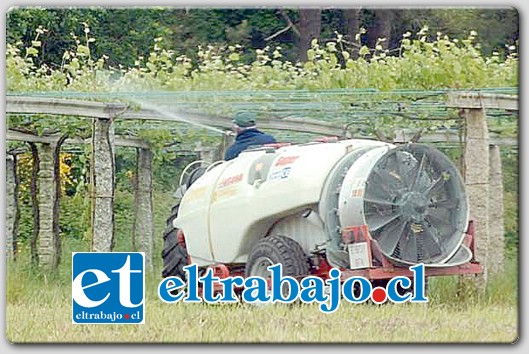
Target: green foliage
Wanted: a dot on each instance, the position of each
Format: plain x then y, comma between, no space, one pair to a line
186,29
422,63
498,28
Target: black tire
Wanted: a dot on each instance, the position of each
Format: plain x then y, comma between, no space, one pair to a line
174,255
279,249
194,175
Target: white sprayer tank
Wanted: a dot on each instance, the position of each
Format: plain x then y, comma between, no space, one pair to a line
411,197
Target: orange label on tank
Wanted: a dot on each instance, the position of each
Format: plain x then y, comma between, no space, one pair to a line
230,180
287,160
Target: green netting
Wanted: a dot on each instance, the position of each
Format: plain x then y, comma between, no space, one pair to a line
362,110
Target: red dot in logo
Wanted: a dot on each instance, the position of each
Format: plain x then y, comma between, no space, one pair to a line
127,316
378,295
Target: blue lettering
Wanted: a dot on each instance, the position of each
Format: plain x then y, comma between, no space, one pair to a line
278,283
348,289
260,289
192,283
208,288
419,291
334,292
167,286
312,289
393,293
228,284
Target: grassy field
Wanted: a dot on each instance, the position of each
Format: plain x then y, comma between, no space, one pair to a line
39,310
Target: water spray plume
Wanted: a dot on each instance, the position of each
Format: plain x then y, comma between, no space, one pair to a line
180,117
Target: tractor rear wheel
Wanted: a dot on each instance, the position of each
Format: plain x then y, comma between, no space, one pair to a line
174,255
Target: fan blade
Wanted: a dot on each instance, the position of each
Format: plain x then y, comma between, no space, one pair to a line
375,224
418,172
443,227
389,238
401,160
445,204
394,166
432,244
379,202
421,179
408,248
432,188
387,178
410,175
378,188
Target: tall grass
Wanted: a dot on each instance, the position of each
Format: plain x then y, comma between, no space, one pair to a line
39,310
39,307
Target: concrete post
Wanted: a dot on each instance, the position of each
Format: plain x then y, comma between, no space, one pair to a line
47,249
205,153
476,161
496,220
103,184
227,141
143,213
11,206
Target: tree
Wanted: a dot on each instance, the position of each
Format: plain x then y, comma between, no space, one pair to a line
309,28
352,17
382,27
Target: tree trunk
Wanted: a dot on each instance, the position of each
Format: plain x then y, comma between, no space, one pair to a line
102,179
382,28
352,17
309,28
34,204
143,230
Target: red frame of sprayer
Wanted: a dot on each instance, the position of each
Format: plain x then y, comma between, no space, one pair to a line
384,270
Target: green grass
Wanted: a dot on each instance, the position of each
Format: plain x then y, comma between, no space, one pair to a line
49,320
39,310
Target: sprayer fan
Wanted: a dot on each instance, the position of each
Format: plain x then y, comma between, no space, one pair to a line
415,205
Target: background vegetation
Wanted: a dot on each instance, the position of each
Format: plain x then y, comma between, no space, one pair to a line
150,55
184,29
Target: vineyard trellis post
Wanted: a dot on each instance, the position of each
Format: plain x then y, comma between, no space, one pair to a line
103,185
483,176
206,153
476,174
143,230
11,206
48,243
496,210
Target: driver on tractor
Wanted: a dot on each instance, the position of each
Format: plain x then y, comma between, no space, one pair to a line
247,134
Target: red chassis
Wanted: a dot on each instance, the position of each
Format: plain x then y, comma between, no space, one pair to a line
380,268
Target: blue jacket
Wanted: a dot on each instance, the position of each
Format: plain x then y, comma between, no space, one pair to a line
245,139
